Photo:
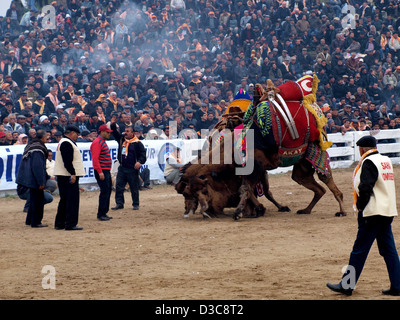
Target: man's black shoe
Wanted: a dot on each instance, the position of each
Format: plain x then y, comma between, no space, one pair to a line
59,228
135,207
40,226
391,292
338,288
74,228
117,207
104,218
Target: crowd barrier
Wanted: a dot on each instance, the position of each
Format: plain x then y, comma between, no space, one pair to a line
157,150
343,154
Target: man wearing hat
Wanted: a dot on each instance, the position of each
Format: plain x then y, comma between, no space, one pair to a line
189,118
31,93
8,108
21,120
58,136
32,175
305,59
44,123
3,141
6,87
68,168
94,122
375,202
102,163
84,137
38,105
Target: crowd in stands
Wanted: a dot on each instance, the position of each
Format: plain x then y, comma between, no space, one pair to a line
150,62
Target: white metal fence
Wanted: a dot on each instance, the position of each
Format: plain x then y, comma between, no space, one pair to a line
344,151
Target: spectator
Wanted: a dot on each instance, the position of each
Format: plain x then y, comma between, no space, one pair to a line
13,125
32,175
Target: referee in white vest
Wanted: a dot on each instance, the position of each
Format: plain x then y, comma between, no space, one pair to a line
375,202
68,168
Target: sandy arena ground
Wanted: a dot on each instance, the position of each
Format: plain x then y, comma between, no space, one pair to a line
155,253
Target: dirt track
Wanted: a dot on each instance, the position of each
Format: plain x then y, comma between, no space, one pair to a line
155,253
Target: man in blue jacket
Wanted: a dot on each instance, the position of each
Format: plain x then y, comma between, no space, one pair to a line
32,175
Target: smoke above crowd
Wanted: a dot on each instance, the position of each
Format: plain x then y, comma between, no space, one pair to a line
130,35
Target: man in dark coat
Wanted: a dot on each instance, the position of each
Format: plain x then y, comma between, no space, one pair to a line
131,155
32,175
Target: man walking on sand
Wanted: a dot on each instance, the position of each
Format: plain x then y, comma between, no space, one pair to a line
375,201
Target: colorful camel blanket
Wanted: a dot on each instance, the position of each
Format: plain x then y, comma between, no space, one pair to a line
308,117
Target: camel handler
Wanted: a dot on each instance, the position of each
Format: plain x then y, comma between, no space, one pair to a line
375,202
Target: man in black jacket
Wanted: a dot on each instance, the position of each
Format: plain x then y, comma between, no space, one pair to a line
375,202
32,175
131,155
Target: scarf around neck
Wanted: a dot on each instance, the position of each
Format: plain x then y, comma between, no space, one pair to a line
33,146
127,143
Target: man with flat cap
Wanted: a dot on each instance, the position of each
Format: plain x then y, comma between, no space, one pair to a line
375,202
102,164
68,168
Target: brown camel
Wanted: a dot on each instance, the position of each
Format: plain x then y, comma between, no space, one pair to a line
303,171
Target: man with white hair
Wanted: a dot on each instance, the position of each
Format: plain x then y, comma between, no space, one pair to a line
12,124
113,105
51,101
245,19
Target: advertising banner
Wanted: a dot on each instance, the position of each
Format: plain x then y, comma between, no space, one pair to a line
157,151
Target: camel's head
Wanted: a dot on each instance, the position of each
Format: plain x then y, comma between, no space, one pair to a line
233,122
271,90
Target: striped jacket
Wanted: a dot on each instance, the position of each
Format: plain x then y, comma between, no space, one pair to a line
101,157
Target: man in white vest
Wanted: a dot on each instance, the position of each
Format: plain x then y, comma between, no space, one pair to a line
375,202
68,168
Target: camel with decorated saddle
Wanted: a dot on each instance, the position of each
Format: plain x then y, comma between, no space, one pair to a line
210,182
288,128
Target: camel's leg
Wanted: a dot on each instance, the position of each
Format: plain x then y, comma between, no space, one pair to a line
204,206
262,162
258,207
328,180
187,208
247,192
303,174
268,162
190,206
244,191
247,197
269,196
